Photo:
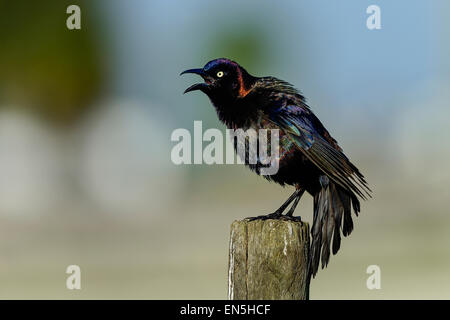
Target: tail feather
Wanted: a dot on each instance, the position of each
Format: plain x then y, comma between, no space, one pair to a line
332,208
346,204
337,205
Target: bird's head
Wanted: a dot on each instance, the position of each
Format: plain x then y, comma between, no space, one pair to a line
223,79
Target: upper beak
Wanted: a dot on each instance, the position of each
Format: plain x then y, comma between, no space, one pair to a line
197,86
196,71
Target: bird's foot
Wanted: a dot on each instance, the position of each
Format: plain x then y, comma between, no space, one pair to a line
275,215
292,218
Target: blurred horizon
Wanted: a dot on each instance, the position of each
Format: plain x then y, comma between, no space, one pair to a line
86,118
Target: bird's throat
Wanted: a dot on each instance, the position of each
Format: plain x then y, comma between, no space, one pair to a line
235,114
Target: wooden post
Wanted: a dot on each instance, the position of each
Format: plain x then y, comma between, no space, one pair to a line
268,259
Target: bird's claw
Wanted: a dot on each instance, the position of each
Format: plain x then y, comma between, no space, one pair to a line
292,218
276,216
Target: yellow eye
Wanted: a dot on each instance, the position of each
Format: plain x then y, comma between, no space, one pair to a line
220,74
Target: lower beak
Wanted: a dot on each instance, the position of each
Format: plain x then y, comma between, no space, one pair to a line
197,86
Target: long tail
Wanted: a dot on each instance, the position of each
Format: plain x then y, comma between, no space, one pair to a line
332,206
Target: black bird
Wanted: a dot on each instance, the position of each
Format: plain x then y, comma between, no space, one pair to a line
310,159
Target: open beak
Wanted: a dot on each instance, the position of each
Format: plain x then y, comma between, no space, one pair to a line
198,86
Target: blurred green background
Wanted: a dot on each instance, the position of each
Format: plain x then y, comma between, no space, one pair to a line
85,123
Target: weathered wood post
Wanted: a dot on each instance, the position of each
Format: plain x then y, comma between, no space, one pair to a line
268,259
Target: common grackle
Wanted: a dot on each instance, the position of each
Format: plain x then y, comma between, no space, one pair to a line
309,158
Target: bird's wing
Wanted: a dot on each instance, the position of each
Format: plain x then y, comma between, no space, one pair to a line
297,123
